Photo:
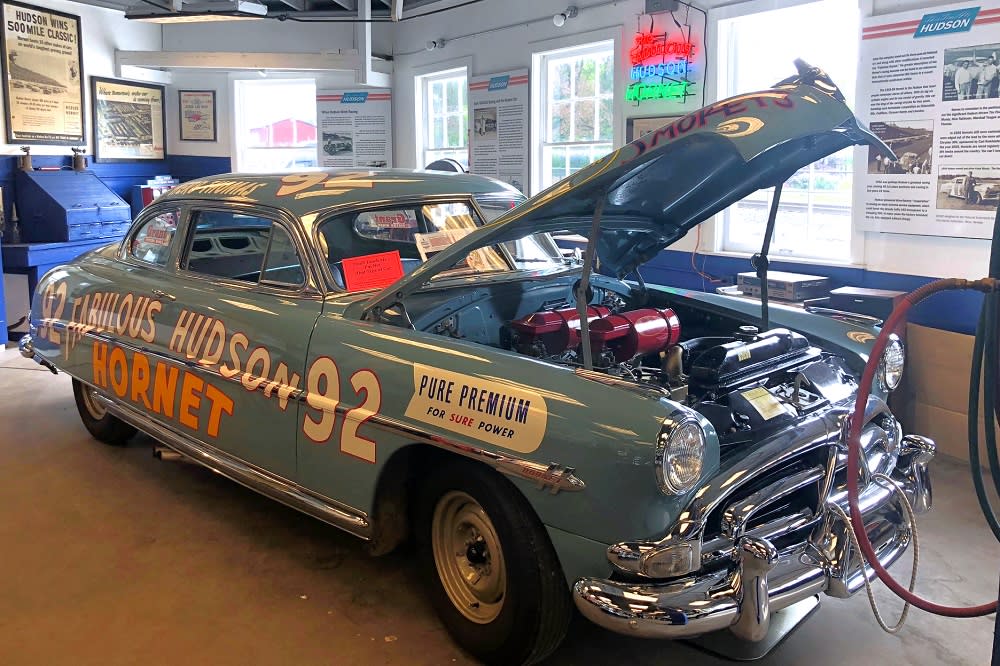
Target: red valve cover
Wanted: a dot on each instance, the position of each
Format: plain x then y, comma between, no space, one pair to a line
558,330
636,333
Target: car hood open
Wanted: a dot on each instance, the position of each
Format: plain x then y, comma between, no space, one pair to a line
665,183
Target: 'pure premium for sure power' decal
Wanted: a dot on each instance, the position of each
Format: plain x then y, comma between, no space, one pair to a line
500,414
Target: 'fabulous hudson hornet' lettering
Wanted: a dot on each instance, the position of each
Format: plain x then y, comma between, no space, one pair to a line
502,414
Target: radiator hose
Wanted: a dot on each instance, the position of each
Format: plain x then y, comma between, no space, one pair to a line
985,372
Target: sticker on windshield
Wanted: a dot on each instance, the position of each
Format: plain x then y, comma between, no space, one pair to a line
372,271
504,415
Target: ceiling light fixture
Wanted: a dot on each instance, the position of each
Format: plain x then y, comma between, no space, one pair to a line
196,12
559,20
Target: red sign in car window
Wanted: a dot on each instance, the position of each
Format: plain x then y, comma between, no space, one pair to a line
372,271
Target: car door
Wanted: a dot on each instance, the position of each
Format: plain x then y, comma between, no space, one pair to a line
352,379
242,306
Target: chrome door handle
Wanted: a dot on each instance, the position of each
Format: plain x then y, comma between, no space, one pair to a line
159,293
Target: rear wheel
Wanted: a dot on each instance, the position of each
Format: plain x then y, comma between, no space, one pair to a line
103,425
975,198
495,579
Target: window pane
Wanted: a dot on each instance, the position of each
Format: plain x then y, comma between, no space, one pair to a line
454,131
583,118
227,244
579,158
561,81
283,265
606,120
452,97
560,122
437,97
152,241
607,75
585,70
438,138
275,124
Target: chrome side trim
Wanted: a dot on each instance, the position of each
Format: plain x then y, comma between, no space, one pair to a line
347,518
553,477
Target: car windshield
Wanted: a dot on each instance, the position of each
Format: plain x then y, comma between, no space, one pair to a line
419,231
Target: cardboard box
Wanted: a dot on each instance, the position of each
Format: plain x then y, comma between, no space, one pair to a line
934,399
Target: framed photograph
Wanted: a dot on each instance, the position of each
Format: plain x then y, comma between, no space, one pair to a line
42,76
636,127
129,123
197,115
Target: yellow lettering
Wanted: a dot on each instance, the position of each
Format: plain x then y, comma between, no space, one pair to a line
220,403
99,358
118,371
240,340
164,388
140,379
190,399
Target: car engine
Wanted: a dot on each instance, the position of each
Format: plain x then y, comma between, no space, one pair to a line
742,382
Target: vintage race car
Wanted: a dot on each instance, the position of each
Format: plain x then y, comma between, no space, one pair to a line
982,193
371,349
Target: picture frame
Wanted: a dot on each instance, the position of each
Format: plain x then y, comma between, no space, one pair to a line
639,125
128,119
196,114
42,76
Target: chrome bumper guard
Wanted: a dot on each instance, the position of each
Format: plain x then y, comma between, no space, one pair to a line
762,579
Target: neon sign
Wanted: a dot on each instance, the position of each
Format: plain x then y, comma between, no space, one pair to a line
648,45
668,75
639,92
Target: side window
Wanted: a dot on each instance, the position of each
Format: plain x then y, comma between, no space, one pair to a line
390,225
282,265
151,243
243,247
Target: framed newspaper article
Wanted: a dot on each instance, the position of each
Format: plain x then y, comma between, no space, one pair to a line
129,122
197,115
42,76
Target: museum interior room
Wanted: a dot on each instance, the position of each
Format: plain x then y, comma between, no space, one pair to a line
500,331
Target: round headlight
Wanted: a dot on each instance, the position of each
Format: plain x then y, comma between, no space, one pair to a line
680,454
891,367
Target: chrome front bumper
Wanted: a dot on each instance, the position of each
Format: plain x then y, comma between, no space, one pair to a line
761,579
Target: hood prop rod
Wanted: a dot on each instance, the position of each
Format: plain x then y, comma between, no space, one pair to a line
583,284
760,261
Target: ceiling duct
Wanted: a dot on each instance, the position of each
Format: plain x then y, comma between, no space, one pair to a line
196,12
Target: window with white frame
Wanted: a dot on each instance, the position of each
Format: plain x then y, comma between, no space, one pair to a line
444,117
275,124
577,109
814,219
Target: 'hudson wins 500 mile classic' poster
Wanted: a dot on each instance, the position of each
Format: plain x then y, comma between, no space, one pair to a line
42,76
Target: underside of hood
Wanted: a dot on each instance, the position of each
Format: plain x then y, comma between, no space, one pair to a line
665,183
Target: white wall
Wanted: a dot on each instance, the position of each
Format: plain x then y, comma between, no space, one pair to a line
102,31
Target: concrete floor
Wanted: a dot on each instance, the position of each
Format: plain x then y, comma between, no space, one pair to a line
108,556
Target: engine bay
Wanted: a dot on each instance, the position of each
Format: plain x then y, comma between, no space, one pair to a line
740,379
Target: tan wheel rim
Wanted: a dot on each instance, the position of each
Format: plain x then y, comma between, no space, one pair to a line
94,408
468,557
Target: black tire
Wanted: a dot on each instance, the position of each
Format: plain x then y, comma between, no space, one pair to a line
975,198
534,608
103,426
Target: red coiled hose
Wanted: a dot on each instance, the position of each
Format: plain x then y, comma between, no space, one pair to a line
985,285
